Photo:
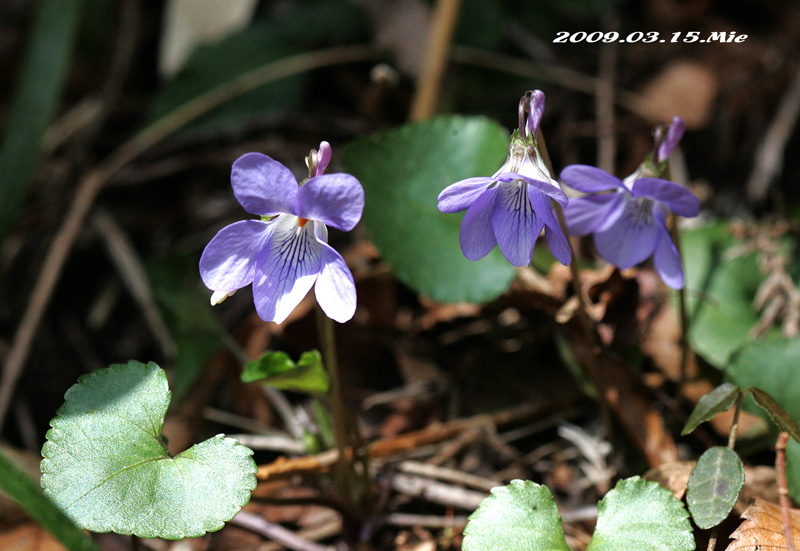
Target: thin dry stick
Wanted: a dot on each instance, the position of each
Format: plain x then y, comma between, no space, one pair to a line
783,492
588,323
132,272
91,185
276,532
769,157
604,102
559,76
440,37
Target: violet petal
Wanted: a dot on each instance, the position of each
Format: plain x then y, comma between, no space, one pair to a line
631,240
476,237
674,135
335,199
460,196
286,269
262,185
589,179
335,289
515,224
679,199
229,259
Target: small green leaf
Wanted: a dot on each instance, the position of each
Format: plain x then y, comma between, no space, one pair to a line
718,400
638,515
403,171
521,516
105,463
778,415
714,486
19,486
277,369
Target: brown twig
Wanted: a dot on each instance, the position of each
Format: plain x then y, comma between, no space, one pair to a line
276,532
769,157
426,99
94,181
604,101
783,492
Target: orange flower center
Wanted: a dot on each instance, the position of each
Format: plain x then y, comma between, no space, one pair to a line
302,221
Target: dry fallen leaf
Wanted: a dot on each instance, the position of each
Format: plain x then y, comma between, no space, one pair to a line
28,537
762,529
685,88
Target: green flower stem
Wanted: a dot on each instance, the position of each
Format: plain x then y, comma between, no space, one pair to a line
345,474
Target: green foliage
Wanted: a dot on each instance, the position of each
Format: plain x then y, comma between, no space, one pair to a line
772,367
778,415
277,369
638,515
189,317
23,490
720,291
106,464
306,26
403,171
35,101
718,400
714,486
521,516
215,64
635,516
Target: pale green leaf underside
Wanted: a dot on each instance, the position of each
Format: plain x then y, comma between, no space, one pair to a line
635,516
106,465
638,515
714,486
521,516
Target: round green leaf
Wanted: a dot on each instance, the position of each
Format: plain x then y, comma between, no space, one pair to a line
521,516
638,515
718,400
403,171
714,486
105,463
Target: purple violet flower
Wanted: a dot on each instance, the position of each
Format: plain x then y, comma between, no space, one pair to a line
629,224
510,208
286,252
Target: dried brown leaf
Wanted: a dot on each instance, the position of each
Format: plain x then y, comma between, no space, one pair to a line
762,529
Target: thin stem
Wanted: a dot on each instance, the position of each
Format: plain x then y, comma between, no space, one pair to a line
588,323
735,423
443,25
783,492
684,312
344,471
712,539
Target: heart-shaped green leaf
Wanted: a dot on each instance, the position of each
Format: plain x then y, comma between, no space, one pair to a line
105,463
635,516
278,370
638,515
714,486
403,171
521,516
718,400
